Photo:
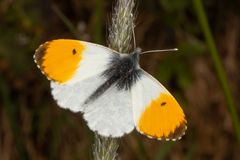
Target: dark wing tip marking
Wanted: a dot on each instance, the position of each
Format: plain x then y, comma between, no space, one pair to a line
38,58
173,136
178,132
39,53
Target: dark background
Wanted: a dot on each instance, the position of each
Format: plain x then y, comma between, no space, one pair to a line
33,127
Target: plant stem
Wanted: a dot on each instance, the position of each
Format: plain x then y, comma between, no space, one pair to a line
119,39
199,9
121,29
105,148
98,19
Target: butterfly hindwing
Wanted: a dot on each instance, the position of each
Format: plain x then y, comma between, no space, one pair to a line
68,61
111,114
156,112
72,96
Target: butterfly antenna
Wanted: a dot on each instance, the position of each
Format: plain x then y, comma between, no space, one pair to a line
160,50
134,40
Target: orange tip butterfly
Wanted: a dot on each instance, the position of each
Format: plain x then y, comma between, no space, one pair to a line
112,91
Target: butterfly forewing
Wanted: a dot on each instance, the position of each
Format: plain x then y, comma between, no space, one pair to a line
156,112
67,61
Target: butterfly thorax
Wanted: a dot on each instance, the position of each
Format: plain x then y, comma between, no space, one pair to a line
123,71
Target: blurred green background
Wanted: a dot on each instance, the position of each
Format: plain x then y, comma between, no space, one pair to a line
33,127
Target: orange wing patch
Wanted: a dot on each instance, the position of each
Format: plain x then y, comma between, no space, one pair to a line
59,59
163,118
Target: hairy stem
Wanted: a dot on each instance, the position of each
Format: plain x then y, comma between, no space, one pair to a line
105,148
119,38
122,25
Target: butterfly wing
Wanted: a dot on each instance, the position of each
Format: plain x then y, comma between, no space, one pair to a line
73,95
156,112
111,115
67,61
108,115
75,69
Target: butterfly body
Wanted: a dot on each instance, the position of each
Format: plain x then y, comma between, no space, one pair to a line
111,90
123,71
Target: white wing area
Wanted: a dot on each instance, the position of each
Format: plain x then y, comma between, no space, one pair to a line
72,96
143,92
94,60
111,114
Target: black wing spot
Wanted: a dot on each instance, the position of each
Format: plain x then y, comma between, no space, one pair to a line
74,51
163,103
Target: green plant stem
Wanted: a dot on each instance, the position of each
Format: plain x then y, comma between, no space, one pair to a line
98,19
199,9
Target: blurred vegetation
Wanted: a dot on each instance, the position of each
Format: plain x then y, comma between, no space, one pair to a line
33,127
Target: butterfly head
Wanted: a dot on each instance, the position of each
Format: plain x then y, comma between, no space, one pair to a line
135,54
137,51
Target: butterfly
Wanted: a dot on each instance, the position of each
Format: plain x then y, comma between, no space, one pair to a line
111,90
